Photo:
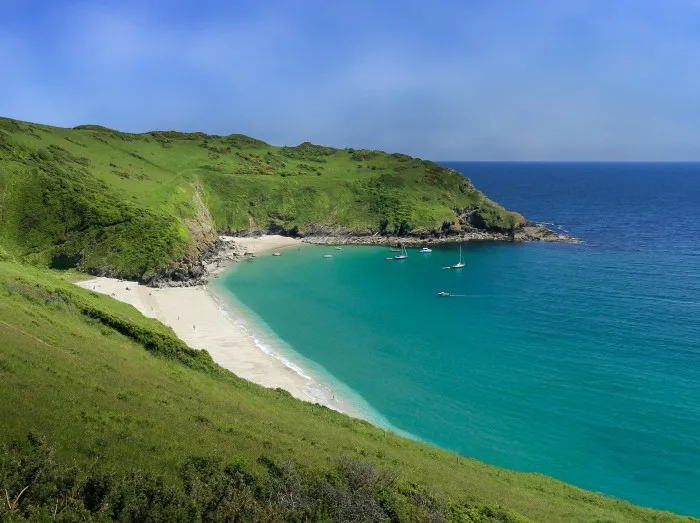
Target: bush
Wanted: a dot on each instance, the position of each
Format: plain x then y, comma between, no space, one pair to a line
362,155
41,488
307,151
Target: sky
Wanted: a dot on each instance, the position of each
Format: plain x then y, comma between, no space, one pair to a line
508,80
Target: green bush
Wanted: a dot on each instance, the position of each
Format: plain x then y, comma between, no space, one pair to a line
37,487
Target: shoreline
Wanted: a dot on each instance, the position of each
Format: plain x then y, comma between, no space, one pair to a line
228,248
205,318
319,385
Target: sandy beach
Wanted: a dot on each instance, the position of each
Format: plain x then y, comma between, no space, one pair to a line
204,321
259,244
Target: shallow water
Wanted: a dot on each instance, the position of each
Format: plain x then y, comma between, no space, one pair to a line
577,361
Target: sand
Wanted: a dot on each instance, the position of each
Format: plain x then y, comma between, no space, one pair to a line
255,245
204,321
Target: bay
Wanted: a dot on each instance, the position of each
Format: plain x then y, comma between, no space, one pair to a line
577,361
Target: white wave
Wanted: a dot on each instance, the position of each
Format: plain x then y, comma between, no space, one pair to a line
552,225
270,352
242,325
315,390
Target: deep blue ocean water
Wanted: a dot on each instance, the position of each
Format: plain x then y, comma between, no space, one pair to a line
577,361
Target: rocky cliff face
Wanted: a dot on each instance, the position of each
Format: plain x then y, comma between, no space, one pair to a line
469,224
209,252
191,269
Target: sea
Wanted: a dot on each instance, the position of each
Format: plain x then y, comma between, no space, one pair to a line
578,361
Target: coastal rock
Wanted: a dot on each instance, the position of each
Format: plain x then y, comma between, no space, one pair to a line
192,271
528,232
536,232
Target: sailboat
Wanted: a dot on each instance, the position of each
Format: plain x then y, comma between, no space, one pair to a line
403,254
460,264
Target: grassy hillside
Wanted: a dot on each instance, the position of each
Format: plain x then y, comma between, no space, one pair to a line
132,204
144,428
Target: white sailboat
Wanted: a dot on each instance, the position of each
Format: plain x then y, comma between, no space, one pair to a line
460,264
403,254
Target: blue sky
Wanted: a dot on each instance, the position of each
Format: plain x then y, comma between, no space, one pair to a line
472,80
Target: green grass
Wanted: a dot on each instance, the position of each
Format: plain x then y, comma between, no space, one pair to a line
132,204
116,392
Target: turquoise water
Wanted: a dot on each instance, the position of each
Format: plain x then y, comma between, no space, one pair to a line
577,361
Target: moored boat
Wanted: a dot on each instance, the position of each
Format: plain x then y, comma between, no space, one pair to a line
403,254
459,264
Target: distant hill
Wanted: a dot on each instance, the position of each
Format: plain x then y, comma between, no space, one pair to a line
135,205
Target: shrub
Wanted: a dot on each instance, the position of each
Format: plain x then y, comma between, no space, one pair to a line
38,487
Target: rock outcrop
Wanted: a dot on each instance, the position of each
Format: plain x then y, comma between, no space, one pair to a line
530,232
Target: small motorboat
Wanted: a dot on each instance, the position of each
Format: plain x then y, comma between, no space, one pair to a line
444,294
327,255
277,254
425,249
338,248
389,258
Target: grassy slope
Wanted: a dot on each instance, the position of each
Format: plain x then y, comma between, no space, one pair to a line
66,372
125,203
